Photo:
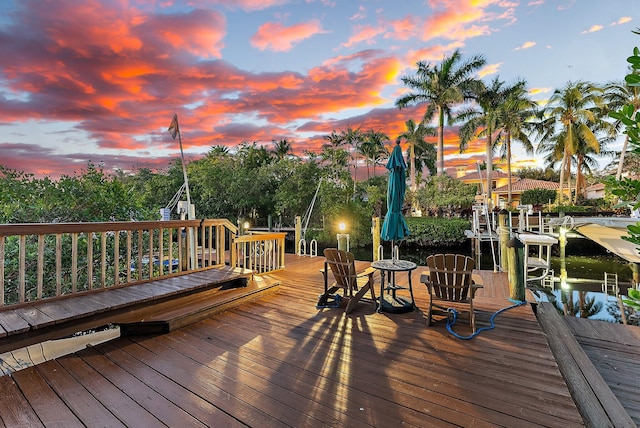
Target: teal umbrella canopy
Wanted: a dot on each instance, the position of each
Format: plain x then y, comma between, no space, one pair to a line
394,226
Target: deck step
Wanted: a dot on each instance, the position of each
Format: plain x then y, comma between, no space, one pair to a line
182,311
209,290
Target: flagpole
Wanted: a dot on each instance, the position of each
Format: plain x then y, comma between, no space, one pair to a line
174,128
184,173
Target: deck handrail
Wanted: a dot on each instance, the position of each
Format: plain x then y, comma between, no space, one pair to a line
46,260
261,252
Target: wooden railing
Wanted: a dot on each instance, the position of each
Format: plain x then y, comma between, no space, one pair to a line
40,261
261,252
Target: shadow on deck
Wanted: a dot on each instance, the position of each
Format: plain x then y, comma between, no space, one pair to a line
280,361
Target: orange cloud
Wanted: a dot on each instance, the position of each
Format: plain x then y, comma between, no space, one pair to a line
622,20
403,29
525,45
593,29
451,20
489,69
365,33
248,5
199,32
277,37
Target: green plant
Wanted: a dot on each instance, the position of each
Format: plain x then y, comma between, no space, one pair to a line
628,190
445,195
538,197
436,232
634,299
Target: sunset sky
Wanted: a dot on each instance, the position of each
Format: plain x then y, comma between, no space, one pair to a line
100,80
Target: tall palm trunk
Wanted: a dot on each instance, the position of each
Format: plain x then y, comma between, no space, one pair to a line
508,143
621,161
440,166
412,156
579,179
562,172
489,150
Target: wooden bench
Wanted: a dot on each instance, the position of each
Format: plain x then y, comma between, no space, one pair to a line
150,307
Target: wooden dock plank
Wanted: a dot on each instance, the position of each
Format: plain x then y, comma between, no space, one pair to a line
280,361
152,401
112,398
76,397
614,351
15,410
50,408
192,403
593,396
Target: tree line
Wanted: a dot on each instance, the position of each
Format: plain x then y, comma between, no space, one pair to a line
256,182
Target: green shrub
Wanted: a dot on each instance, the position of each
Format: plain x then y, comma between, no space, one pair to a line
538,197
436,232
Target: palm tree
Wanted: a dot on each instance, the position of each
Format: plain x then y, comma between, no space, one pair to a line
415,136
334,140
353,138
486,121
281,149
441,87
618,95
425,158
218,151
570,116
515,115
373,149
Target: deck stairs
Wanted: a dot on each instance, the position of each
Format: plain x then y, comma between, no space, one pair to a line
155,306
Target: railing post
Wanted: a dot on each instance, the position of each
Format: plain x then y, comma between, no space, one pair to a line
516,269
503,232
298,230
233,250
375,232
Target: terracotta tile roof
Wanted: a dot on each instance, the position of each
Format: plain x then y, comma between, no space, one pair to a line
495,175
595,187
527,184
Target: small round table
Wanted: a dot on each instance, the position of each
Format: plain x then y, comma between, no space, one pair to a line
390,267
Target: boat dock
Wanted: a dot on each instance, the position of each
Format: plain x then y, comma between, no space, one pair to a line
280,361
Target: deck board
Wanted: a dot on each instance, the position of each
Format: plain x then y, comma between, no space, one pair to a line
280,361
615,351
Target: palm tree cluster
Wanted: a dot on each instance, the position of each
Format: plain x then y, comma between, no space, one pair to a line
570,129
351,144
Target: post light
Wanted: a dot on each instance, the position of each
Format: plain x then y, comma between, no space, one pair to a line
343,238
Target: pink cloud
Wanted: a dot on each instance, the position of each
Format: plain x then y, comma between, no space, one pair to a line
279,38
365,33
457,20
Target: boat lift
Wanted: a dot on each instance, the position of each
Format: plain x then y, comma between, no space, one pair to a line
537,267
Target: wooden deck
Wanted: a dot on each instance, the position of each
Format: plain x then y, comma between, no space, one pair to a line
614,350
280,361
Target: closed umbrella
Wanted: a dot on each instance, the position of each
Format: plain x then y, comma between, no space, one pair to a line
395,227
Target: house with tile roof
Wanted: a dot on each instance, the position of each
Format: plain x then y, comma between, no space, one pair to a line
595,191
501,194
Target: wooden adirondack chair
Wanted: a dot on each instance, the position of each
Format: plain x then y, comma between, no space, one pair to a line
450,281
342,266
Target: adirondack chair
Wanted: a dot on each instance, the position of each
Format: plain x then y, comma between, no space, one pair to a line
449,280
342,266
